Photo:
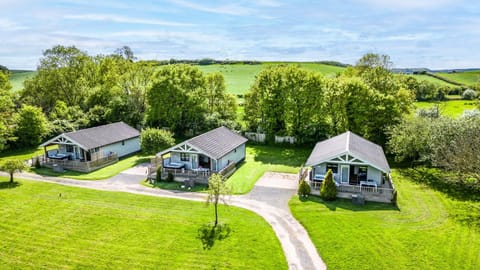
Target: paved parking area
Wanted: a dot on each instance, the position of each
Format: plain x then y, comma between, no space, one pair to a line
275,189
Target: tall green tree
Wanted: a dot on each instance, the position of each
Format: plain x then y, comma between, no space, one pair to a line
32,126
176,99
7,108
328,190
287,100
66,74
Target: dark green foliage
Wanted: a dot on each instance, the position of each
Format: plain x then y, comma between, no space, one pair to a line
155,140
37,164
32,126
328,191
170,177
182,99
158,176
303,188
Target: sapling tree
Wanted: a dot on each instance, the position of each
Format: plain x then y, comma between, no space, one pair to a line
12,166
217,191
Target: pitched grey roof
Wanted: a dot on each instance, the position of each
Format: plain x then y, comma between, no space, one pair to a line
99,136
352,144
218,142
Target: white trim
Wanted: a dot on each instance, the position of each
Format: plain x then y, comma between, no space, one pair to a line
353,161
66,140
183,147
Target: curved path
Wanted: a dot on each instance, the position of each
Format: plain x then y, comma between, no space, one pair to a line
269,199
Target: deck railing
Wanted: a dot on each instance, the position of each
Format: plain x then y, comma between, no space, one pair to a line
77,165
381,193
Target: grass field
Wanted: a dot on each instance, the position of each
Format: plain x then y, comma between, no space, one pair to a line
424,232
469,78
452,108
18,77
240,77
22,154
263,158
88,229
422,77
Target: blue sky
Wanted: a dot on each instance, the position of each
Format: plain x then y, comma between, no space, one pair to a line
415,33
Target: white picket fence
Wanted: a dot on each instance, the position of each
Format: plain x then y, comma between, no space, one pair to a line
260,137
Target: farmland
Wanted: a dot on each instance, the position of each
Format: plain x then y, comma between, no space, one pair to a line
468,78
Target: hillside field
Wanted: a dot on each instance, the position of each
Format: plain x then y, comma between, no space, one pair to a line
17,77
468,78
239,77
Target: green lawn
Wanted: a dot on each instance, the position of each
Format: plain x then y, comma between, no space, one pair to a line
468,77
240,77
452,108
263,158
88,229
103,173
22,154
425,231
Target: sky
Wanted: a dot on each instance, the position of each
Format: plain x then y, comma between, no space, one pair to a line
414,33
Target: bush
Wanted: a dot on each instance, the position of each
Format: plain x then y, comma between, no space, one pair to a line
37,163
158,177
155,140
303,188
328,191
170,177
469,94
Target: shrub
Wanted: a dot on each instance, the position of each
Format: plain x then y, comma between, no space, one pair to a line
170,177
155,140
328,191
37,163
303,188
469,94
158,177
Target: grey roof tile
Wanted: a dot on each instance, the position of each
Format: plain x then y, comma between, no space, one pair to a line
103,135
353,144
218,142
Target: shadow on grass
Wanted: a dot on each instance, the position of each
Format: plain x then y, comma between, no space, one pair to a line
280,155
5,185
177,186
348,205
454,186
208,234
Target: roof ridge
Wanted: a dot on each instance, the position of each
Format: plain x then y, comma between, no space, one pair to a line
348,141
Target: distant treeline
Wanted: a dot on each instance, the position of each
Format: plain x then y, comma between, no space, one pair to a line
210,61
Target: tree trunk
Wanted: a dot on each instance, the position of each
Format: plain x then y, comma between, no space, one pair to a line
11,178
216,216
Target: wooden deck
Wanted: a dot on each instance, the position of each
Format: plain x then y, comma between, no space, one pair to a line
76,165
383,193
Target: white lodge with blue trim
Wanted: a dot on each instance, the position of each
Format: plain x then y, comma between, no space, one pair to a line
358,165
89,149
216,151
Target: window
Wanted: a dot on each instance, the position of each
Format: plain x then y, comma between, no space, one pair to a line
184,157
123,142
333,167
95,150
69,148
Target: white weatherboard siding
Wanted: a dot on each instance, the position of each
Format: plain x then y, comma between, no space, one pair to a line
122,149
234,156
374,174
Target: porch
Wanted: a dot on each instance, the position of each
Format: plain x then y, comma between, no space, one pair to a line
371,192
60,164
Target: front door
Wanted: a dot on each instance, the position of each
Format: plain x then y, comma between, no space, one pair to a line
345,173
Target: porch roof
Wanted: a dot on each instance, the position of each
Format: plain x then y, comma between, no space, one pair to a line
215,143
352,144
90,138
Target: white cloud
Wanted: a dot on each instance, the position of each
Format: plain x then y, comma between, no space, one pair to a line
408,4
230,9
9,25
122,19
